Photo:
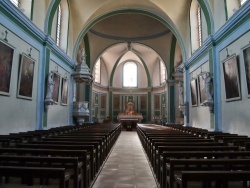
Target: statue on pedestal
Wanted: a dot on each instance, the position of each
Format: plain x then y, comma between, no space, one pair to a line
50,87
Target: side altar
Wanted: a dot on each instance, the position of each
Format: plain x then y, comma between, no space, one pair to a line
129,118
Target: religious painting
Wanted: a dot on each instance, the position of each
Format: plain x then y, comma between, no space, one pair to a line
231,78
103,101
246,58
157,102
96,98
116,101
55,93
143,102
64,93
26,77
201,79
193,89
6,58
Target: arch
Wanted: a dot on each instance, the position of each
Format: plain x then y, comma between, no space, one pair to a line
168,23
208,15
50,15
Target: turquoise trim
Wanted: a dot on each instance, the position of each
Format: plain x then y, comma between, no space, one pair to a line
226,12
113,70
87,49
32,10
171,93
205,8
149,106
111,105
51,15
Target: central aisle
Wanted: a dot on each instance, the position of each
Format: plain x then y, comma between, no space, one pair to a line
127,166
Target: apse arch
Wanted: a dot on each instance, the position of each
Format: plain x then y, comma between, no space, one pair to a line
167,23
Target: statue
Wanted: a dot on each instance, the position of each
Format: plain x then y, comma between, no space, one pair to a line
207,83
81,56
181,93
50,86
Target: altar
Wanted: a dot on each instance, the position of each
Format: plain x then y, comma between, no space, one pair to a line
129,118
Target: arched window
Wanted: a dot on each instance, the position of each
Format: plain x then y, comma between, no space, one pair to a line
130,74
195,25
58,28
242,2
162,72
199,25
98,71
15,2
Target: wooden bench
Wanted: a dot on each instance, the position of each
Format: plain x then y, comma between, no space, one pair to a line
69,163
167,155
160,165
95,144
37,172
81,154
208,176
89,148
174,166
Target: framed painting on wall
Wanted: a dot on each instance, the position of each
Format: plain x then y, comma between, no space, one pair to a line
6,59
116,101
157,102
193,89
231,78
201,79
246,58
26,77
143,102
103,101
55,93
64,93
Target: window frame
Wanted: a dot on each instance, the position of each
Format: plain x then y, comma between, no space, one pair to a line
59,25
135,63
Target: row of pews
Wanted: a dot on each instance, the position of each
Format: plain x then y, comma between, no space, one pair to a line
187,157
73,155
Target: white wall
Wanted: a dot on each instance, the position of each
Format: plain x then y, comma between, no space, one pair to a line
58,114
235,114
199,115
18,114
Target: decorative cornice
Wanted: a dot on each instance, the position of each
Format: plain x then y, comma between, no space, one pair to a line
128,38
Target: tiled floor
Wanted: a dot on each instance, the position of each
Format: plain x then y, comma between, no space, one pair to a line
127,166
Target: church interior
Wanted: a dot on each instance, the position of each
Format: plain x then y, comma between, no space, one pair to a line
145,79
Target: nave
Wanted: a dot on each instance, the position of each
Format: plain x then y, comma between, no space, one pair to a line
127,166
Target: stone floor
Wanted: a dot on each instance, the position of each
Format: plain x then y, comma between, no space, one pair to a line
127,166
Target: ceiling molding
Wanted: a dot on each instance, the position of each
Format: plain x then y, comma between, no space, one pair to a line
128,39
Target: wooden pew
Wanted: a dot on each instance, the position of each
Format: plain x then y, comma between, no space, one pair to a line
160,166
69,163
95,144
167,155
174,166
37,172
217,176
81,154
89,148
101,144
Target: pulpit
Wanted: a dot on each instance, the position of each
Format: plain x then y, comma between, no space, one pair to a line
129,118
